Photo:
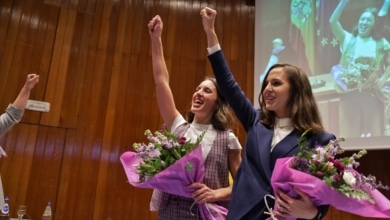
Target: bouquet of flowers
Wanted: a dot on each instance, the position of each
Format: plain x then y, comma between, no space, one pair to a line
355,74
330,180
162,151
169,164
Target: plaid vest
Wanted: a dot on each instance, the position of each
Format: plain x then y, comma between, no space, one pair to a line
216,171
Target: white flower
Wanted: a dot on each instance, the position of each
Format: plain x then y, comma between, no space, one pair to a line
349,178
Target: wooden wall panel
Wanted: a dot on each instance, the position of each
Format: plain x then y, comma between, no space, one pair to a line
83,6
59,67
94,59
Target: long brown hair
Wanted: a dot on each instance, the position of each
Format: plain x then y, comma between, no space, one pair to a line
304,110
376,30
222,118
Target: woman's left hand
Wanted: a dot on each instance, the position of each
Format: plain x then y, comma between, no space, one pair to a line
202,193
208,18
297,208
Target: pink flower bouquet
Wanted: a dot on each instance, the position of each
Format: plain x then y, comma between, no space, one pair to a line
169,164
331,181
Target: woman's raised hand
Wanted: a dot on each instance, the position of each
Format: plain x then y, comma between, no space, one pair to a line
208,18
155,26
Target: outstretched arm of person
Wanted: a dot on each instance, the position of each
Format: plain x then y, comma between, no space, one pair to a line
165,100
335,25
208,18
229,87
14,112
24,94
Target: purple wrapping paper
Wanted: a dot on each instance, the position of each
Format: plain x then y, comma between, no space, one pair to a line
286,178
337,72
175,179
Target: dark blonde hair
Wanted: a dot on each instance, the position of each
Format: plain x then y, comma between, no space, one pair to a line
304,110
222,118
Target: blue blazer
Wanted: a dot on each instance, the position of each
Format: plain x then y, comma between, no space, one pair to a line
252,181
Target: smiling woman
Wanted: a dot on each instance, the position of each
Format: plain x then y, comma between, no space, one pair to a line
342,46
220,148
285,94
277,93
355,78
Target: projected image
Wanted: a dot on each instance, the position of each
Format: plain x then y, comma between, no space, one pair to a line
343,46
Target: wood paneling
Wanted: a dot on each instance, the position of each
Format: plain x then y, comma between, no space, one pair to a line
95,64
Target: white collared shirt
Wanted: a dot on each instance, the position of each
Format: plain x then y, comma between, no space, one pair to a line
283,127
213,49
195,130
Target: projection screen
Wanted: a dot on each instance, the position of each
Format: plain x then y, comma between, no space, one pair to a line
343,48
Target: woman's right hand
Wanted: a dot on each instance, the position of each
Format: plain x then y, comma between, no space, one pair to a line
155,26
32,79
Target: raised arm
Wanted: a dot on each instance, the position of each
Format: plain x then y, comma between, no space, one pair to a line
230,89
208,17
165,101
14,112
335,25
24,94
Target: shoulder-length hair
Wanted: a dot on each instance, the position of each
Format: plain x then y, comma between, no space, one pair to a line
375,31
304,110
222,118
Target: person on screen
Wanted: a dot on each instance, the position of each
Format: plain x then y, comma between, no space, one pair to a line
209,112
13,114
277,48
361,64
287,110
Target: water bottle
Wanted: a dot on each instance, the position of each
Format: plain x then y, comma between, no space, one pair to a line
5,210
47,214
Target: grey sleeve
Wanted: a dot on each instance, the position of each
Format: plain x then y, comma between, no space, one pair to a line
9,118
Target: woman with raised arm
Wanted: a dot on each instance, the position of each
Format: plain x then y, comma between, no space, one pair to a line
221,150
360,66
287,109
13,114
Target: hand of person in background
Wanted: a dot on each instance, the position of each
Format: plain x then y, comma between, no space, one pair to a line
370,83
14,111
384,9
24,94
277,46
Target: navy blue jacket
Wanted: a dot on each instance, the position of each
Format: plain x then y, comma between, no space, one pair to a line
252,181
